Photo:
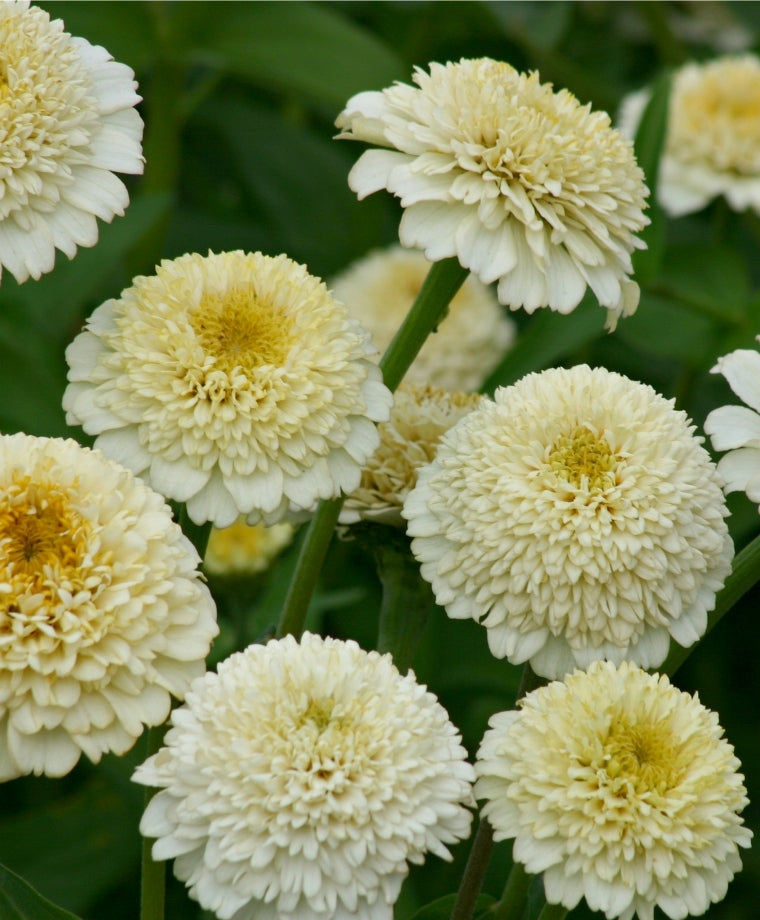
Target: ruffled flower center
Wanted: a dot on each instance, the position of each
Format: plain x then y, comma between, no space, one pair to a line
584,459
242,329
641,757
43,541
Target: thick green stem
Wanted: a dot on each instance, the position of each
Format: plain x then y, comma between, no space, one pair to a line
443,281
308,566
553,912
744,575
152,874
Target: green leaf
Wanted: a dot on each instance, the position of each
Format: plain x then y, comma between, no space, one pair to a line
648,145
300,48
663,326
440,909
710,277
542,24
549,337
19,901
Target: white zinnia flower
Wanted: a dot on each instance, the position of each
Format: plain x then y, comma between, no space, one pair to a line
67,123
102,612
737,428
301,779
620,789
712,144
523,185
577,516
408,441
233,382
244,549
467,345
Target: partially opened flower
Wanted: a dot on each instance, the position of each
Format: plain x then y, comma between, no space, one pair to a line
408,441
736,429
300,781
103,615
620,789
523,185
245,549
232,382
67,124
576,516
475,333
712,145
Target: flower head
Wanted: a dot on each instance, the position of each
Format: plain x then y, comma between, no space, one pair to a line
67,123
620,789
379,290
523,185
712,145
577,516
244,549
301,778
737,428
234,383
408,441
102,612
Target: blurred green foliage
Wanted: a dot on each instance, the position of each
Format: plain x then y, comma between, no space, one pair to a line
239,104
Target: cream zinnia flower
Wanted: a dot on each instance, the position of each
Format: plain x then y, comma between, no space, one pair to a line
244,549
523,185
576,516
620,789
408,441
67,123
102,612
234,383
712,145
475,333
737,428
300,780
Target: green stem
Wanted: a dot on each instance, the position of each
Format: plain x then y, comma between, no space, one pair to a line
744,575
482,846
308,566
152,874
443,281
472,879
553,912
512,903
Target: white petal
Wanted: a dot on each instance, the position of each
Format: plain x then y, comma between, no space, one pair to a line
741,368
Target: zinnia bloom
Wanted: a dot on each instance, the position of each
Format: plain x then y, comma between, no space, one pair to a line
102,612
300,780
475,333
244,549
712,145
234,383
576,516
523,185
67,123
620,789
408,441
737,428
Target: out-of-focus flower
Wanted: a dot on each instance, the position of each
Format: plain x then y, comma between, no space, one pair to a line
232,382
244,549
522,185
712,145
379,290
102,612
408,441
300,780
737,428
67,124
620,789
576,516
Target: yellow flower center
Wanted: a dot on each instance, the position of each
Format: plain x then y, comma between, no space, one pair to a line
583,457
242,330
643,755
319,713
41,539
